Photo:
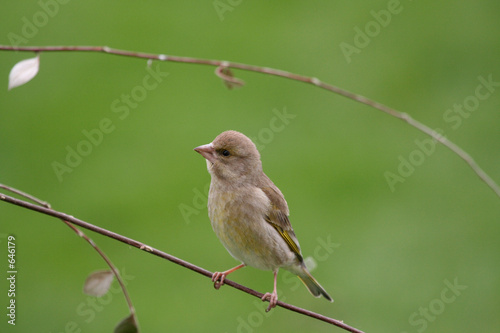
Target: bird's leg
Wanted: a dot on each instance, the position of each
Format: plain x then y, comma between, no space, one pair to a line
218,277
272,297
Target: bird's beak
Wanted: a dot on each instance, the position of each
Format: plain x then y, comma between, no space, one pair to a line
207,151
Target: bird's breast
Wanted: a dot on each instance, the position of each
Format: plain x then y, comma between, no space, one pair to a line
238,220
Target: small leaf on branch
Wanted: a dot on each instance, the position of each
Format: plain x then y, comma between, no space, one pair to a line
127,325
227,76
23,72
98,283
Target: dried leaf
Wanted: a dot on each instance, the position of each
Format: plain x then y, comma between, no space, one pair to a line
98,283
228,78
23,72
127,325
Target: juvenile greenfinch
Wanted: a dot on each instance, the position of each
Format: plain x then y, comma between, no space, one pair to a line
249,213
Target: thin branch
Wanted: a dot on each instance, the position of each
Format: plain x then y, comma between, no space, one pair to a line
80,233
113,269
226,65
25,195
169,257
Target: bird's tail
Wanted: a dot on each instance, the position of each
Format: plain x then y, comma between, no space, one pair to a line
312,285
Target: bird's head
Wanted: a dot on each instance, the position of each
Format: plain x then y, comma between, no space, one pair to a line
232,157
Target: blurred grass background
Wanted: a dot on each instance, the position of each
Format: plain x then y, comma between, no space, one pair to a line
392,250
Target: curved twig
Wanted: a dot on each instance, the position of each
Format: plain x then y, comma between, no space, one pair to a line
80,233
228,79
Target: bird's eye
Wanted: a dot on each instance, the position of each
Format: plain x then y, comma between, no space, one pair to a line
226,153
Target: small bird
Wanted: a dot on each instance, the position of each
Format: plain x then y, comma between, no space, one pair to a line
249,213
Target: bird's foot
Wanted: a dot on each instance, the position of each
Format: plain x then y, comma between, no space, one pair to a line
218,279
272,298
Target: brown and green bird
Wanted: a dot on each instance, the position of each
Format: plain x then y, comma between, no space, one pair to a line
249,214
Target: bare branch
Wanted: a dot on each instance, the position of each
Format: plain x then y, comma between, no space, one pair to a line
164,255
227,65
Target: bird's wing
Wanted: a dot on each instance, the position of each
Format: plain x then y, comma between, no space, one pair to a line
277,216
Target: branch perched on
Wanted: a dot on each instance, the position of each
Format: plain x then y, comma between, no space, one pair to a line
161,254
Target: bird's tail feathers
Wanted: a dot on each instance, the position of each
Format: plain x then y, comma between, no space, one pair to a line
312,285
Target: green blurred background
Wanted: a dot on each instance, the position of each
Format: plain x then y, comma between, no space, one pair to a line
389,254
